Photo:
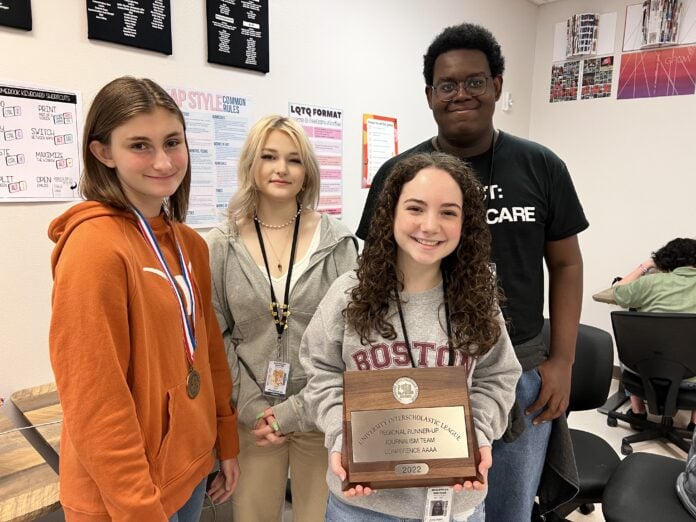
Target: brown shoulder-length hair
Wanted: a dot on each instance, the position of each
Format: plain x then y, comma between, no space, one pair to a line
116,103
472,293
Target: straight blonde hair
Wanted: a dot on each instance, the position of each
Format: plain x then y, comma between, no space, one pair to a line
243,203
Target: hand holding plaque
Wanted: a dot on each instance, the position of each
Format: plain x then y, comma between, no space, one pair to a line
408,428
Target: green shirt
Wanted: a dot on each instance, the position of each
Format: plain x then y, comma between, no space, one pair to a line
660,292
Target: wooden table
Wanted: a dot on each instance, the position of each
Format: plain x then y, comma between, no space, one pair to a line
40,407
28,486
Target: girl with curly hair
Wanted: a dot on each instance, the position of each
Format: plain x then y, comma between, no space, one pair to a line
423,295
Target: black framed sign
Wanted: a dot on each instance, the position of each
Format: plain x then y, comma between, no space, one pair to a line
238,33
146,24
16,13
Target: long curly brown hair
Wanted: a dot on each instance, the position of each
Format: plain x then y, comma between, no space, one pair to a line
472,294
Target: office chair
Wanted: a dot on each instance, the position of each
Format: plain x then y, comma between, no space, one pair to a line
595,459
661,349
643,488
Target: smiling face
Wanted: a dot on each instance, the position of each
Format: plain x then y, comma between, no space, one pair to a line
279,173
427,220
149,156
464,120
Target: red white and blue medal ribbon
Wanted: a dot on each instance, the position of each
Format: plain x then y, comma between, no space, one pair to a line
189,327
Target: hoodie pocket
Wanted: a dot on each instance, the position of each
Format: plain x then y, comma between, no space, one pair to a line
192,429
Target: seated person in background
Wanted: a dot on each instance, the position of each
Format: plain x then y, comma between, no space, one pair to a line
666,282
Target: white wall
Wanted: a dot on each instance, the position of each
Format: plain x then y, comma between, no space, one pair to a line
631,161
362,56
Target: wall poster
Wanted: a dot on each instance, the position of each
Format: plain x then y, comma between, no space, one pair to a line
564,81
380,143
39,143
581,34
16,13
216,127
324,128
597,75
146,24
581,79
597,38
655,23
663,72
238,33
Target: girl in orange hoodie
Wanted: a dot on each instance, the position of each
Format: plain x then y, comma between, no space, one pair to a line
135,346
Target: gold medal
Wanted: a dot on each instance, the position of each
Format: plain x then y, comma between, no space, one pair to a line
193,383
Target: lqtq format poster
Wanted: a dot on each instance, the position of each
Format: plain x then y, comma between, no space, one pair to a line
146,24
39,143
324,128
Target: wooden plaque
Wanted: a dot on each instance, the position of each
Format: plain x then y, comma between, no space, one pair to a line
405,428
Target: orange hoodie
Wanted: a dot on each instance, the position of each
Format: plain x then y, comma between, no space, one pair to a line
133,445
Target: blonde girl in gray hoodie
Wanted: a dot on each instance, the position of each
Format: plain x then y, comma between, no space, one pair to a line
272,262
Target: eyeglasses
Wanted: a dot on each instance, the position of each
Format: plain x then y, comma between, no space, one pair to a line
448,90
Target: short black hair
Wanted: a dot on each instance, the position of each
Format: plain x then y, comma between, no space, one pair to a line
678,252
464,36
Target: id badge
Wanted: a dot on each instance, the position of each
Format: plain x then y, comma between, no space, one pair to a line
438,505
277,376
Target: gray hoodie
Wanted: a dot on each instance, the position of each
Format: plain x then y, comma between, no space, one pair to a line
329,348
241,297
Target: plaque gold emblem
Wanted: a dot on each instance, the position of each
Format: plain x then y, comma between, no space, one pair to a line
405,390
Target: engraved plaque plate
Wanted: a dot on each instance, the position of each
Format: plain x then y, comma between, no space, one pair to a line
413,434
407,428
417,468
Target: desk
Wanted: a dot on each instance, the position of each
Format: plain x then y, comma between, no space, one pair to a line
39,406
605,296
28,486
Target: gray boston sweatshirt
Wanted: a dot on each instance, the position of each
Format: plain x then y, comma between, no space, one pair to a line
329,347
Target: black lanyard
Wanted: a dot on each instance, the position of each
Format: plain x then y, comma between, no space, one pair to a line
450,361
280,311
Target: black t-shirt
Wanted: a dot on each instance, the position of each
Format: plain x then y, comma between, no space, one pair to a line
531,200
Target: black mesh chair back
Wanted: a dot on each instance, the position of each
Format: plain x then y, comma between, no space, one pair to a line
661,349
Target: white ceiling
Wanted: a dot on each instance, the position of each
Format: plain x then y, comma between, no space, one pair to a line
542,2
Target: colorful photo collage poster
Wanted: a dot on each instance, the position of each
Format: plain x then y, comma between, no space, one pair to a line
581,79
596,78
564,81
